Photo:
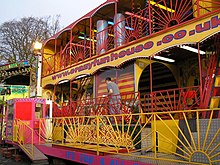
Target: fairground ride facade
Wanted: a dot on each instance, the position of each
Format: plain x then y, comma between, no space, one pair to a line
164,56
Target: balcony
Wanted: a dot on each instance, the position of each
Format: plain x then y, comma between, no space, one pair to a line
93,37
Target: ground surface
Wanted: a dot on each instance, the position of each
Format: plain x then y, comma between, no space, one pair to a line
11,161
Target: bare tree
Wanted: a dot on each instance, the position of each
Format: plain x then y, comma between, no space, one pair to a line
17,37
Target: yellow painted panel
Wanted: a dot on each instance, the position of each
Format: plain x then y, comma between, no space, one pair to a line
165,136
217,81
58,133
15,133
214,102
204,7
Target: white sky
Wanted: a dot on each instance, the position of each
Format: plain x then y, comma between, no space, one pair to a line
69,10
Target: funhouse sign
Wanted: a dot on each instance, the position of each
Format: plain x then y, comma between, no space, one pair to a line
212,23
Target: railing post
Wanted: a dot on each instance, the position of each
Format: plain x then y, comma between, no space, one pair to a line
39,131
155,136
32,142
63,130
149,15
97,133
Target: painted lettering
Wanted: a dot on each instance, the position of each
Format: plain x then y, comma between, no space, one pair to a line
180,34
200,29
168,38
122,53
139,48
130,51
192,32
70,155
215,21
114,56
116,162
102,161
86,159
148,45
72,71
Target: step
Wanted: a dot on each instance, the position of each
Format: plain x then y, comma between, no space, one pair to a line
40,162
38,155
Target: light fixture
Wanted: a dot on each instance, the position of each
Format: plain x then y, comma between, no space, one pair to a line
80,37
192,49
112,35
37,45
164,58
81,76
63,81
126,27
162,7
137,16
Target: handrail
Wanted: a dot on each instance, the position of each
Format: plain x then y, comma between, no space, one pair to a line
180,136
137,25
172,99
24,136
124,103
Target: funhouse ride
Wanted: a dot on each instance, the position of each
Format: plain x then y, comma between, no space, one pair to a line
164,56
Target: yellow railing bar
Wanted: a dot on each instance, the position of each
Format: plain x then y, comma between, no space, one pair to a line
214,149
140,130
190,132
127,136
175,146
216,134
97,132
216,153
198,129
173,132
175,154
105,126
207,131
21,124
135,126
182,135
155,136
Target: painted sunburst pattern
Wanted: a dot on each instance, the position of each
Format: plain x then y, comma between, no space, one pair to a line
185,137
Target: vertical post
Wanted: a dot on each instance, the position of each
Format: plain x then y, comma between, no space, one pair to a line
151,83
39,70
97,129
38,52
91,37
149,15
155,136
55,52
200,74
71,38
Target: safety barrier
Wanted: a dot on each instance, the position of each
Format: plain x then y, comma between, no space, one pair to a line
23,134
184,137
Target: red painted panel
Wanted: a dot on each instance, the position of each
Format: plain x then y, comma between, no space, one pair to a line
23,110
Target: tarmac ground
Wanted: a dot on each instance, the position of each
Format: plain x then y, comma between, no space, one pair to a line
11,160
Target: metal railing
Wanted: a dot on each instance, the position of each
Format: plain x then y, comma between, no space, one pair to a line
172,100
125,103
157,16
23,134
185,139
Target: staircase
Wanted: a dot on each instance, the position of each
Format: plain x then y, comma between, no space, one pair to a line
209,142
37,157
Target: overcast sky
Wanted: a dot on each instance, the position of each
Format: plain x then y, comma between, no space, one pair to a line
69,10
